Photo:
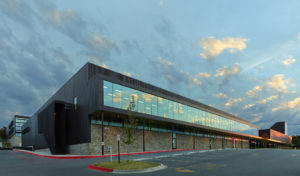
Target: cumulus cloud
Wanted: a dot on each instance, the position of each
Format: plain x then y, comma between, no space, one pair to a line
199,75
228,71
164,63
127,74
289,105
167,70
290,60
203,75
279,84
248,106
233,101
220,95
257,117
95,40
212,47
196,81
254,91
18,11
264,101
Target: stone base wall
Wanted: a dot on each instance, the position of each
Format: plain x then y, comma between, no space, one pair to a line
15,141
228,143
154,141
184,141
201,142
79,149
245,145
216,143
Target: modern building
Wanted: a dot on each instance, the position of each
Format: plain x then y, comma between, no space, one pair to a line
277,132
87,113
15,130
280,127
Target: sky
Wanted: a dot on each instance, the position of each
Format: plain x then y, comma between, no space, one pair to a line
237,56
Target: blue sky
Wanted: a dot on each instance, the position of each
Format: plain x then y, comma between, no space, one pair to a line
240,57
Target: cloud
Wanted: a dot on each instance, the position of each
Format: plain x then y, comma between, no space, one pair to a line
30,72
164,63
233,101
127,74
212,47
279,84
18,11
167,70
289,105
161,3
196,80
203,75
264,101
257,117
290,60
254,91
68,22
228,71
248,106
220,95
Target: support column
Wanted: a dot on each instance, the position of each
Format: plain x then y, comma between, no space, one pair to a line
194,139
102,128
143,135
242,141
210,141
223,142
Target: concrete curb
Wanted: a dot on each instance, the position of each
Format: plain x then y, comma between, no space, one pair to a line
99,156
151,169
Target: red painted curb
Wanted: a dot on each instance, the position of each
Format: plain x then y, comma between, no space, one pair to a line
101,156
103,169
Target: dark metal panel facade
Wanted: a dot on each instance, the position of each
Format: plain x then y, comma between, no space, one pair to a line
86,91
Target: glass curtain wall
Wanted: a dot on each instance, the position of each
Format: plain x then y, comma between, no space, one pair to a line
118,96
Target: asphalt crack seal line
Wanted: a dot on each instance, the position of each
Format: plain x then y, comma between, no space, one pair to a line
107,170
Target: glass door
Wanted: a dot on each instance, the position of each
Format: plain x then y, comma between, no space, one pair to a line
174,142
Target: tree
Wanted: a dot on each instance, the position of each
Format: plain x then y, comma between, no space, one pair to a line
3,133
296,140
265,139
130,125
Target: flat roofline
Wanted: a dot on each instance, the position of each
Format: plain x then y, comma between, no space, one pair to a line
172,94
22,116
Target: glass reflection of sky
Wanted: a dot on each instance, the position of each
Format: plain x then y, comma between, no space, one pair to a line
118,96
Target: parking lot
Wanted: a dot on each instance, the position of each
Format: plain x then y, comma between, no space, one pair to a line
218,162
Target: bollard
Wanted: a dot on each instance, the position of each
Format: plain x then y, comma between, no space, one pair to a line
110,151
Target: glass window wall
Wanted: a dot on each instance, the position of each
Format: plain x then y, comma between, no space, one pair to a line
117,96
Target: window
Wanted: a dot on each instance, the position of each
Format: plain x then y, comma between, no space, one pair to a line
117,96
107,93
26,130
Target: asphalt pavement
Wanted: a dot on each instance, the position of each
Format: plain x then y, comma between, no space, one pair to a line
245,162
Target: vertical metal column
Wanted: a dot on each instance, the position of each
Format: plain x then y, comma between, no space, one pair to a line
242,141
102,128
223,142
194,139
210,140
143,135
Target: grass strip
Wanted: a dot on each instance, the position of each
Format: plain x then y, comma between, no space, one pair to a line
126,165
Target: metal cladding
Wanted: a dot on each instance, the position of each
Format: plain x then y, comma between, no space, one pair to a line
65,119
